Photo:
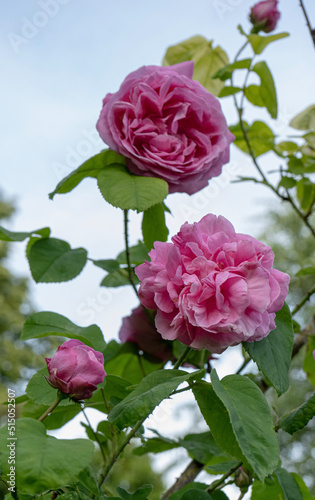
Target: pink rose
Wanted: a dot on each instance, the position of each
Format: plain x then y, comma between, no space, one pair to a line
265,15
76,369
139,329
212,288
167,126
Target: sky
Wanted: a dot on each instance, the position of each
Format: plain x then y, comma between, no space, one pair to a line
59,59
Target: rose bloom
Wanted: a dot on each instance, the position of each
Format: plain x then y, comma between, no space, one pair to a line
76,369
167,126
212,287
137,328
265,15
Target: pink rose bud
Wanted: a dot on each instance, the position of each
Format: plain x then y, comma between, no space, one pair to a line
137,328
167,126
76,369
314,353
212,287
264,16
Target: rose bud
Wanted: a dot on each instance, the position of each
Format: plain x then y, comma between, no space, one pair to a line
167,126
264,16
138,328
76,369
212,287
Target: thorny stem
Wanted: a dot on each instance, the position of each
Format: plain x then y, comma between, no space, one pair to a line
311,30
122,446
213,486
130,277
302,302
59,397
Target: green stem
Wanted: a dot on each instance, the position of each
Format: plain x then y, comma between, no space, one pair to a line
182,358
94,434
122,446
244,364
130,277
60,397
302,302
213,486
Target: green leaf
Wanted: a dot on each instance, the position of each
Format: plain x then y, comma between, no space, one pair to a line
148,394
124,190
116,388
44,462
137,254
226,72
309,363
227,91
296,166
253,95
260,136
259,43
306,495
6,235
251,421
153,225
288,484
195,494
304,120
288,147
89,168
44,324
141,493
202,447
217,418
39,391
298,418
156,445
273,353
306,271
116,279
270,490
305,191
267,88
59,417
207,59
53,260
287,182
108,265
127,365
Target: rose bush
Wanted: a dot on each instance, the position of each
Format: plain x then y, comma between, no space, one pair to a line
167,126
76,369
138,328
212,287
265,15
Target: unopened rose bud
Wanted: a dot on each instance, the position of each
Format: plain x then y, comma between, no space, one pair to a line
76,369
264,16
242,479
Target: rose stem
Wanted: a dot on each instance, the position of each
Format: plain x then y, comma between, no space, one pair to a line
128,252
182,358
59,397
